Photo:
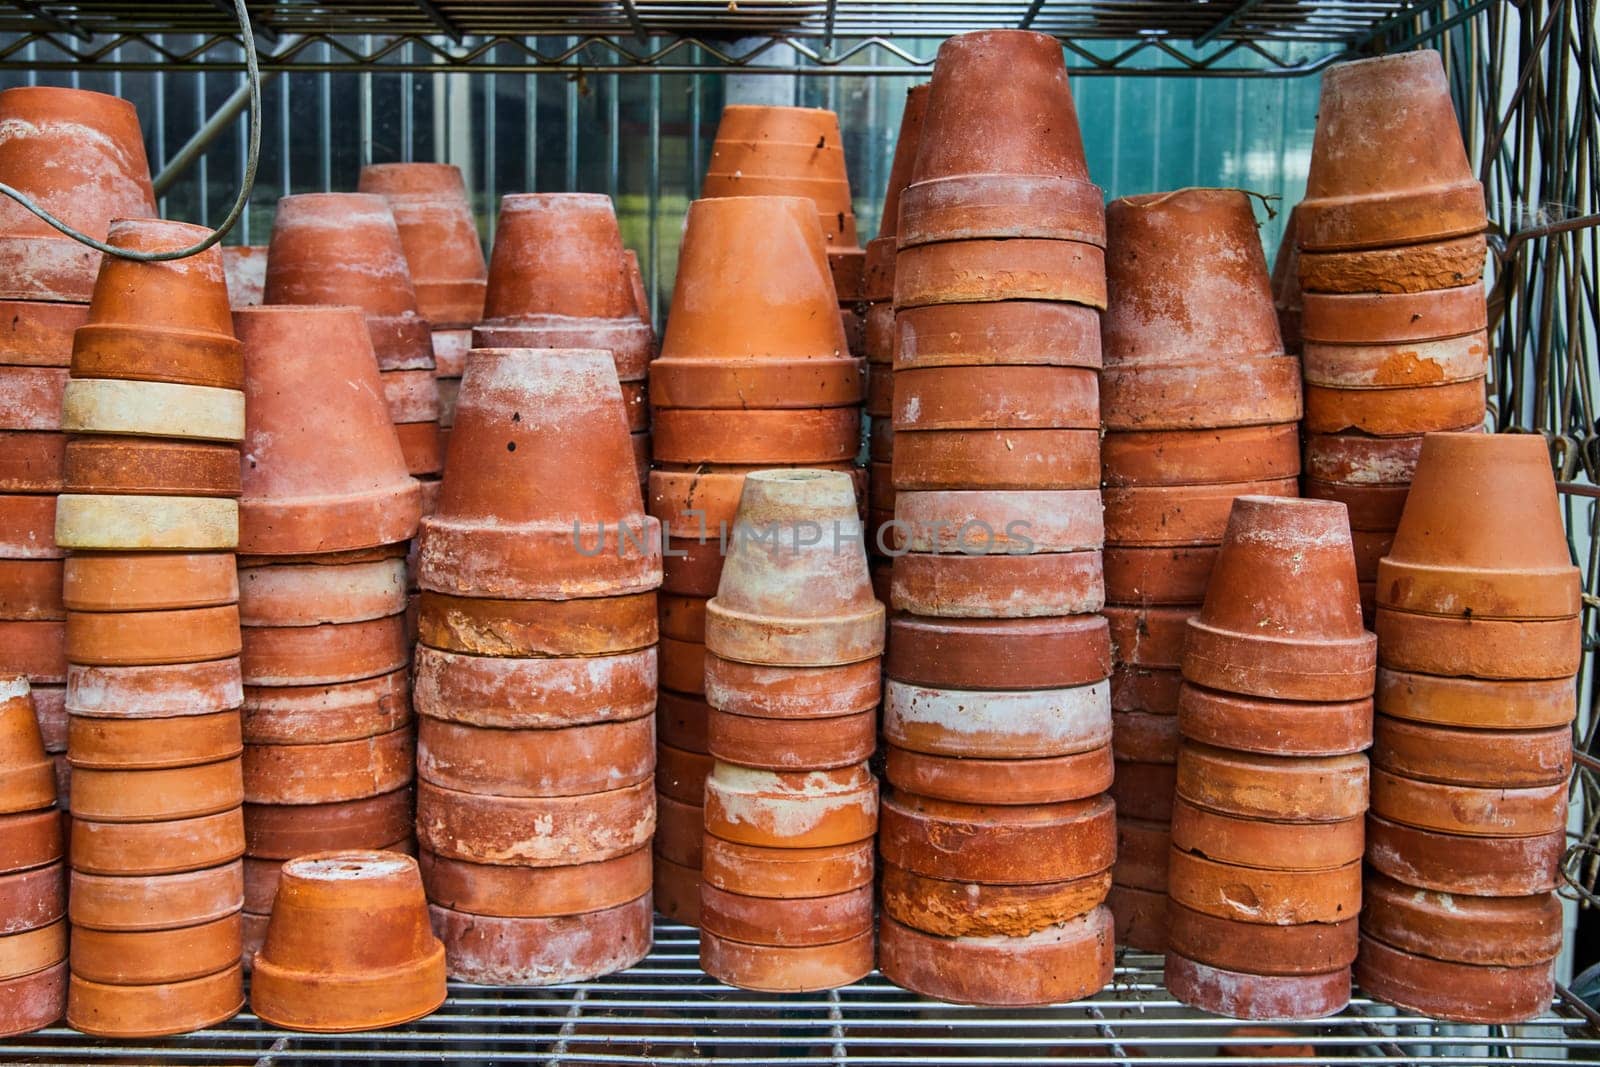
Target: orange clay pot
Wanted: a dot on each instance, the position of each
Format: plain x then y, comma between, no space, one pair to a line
1394,412
879,267
1459,992
999,653
437,232
32,397
791,693
328,772
543,951
996,459
141,638
1513,759
1274,727
151,744
1279,788
1140,917
963,909
570,761
27,778
1026,844
681,774
30,839
1200,457
968,398
787,969
1473,811
793,922
980,271
1047,780
33,899
1001,333
1055,965
680,831
535,892
330,652
1261,948
765,151
1245,995
1158,576
156,902
788,745
142,1011
1201,394
33,1001
584,627
283,831
1027,725
1473,866
699,504
148,581
1410,268
36,650
39,333
1394,318
343,711
319,591
160,691
148,848
31,461
681,721
759,437
1387,366
1149,637
534,693
1489,931
151,957
791,810
145,796
787,873
28,526
1473,702
1474,648
557,254
1255,895
1188,515
534,831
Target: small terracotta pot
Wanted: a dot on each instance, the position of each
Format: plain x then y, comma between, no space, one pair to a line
30,839
1149,637
290,595
1260,948
534,831
80,156
151,957
1164,576
1473,866
961,909
32,950
988,522
1391,412
1358,460
983,271
1201,457
145,796
996,459
759,145
146,848
999,845
156,902
793,922
1186,279
1280,788
1257,895
1474,757
1388,366
786,969
437,232
543,951
1489,931
1253,842
683,665
1249,391
1371,507
997,724
148,638
999,653
1140,917
157,691
245,268
790,745
570,761
1527,811
33,899
284,831
1142,737
630,342
33,1001
140,744
1394,318
1475,703
261,885
1243,995
998,586
1408,268
329,771
798,693
142,1011
1144,790
146,523
527,892
787,873
27,778
675,892
1055,965
152,409
151,468
680,830
557,254
328,653
146,581
1048,780
1458,992
533,693
39,333
1000,333
1479,648
1361,196
349,946
1184,515
1282,616
968,398
36,650
681,721
1274,727
791,810
344,248
586,626
30,590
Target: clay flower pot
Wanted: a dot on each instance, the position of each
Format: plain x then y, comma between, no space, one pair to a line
1282,616
168,847
1473,866
284,831
245,268
349,946
1243,995
1411,268
534,831
1459,992
344,248
432,212
999,653
508,522
529,693
1026,725
1201,393
1387,164
1009,333
158,1010
753,321
79,155
962,909
1000,154
156,902
557,254
1475,703
1261,948
979,271
1454,556
1497,649
491,950
1491,931
1277,788
153,692
27,777
589,626
33,1001
786,922
151,467
526,892
159,322
791,809
324,471
1274,727
1286,282
785,969
1047,780
794,603
1024,844
785,151
1055,965
879,276
1521,758
565,762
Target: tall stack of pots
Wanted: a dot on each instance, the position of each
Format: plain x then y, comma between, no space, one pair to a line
998,837
795,151
754,373
535,677
1478,641
79,155
33,879
440,239
324,519
150,513
878,338
1391,253
1200,404
794,640
1276,714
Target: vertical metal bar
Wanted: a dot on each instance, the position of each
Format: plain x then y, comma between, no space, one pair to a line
325,121
286,172
530,160
614,141
242,139
408,116
654,251
695,104
1116,138
1199,107
364,102
160,106
31,54
491,156
1156,137
202,170
572,128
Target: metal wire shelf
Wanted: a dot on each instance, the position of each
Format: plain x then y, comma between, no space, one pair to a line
666,1010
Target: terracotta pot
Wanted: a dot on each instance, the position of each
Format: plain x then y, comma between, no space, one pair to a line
1149,637
1282,616
329,771
1143,737
1489,931
1140,917
33,1001
587,626
880,445
142,1011
344,248
1186,279
998,586
791,810
30,461
261,884
33,899
543,951
534,831
698,504
437,232
80,156
964,398
148,957
152,409
31,397
411,397
681,721
160,691
1243,995
780,745
141,638
680,829
36,333
1459,992
570,761
1361,196
1282,788
313,593
1187,515
1025,725
330,652
978,523
1273,727
799,693
1249,841
675,891
1249,391
1058,964
27,779
1201,457
999,653
141,744
981,271
1474,811
1144,790
960,909
526,892
1473,866
1478,648
683,618
284,831
1394,318
1047,780
156,902
794,922
1142,851
156,795
348,947
683,665
1358,460
630,342
497,531
1257,895
27,527
1388,366
146,523
147,848
1002,333
32,950
787,873
1392,412
1520,758
759,437
557,254
36,650
1157,576
30,839
879,275
1374,508
533,693
1005,161
757,146
1260,948
144,581
996,459
1408,268
999,845
1475,703
50,708
787,969
245,268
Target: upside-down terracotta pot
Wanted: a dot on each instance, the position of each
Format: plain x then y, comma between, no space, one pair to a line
150,467
1286,282
152,409
27,779
681,774
1510,758
1389,412
807,603
783,693
1046,780
284,831
786,922
879,273
156,902
1508,561
1150,516
31,462
1456,646
1277,788
999,653
535,892
491,950
981,271
1407,363
1150,638
1274,727
434,217
557,254
147,744
1026,725
1491,931
349,946
697,503
344,248
150,957
1026,844
1254,842
534,831
322,589
785,151
570,761
150,848
784,809
1282,616
323,471
1000,585
1413,183
158,691
996,459
1473,811
139,638
1261,895
1199,457
1394,318
1158,575
1456,863
1262,948
787,873
1244,995
1144,790
1410,268
518,693
586,626
32,1001
966,909
330,771
1473,702
80,156
810,744
156,795
245,268
30,839
158,1010
143,523
1003,333
1055,965
969,398
785,969
1459,992
756,437
1000,154
34,649
325,653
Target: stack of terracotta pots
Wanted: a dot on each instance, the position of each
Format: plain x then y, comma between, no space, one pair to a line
434,216
33,881
794,639
878,339
999,837
1286,283
535,677
150,513
344,248
560,278
1276,714
1478,640
753,373
1200,405
326,511
246,270
795,151
1391,253
80,155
